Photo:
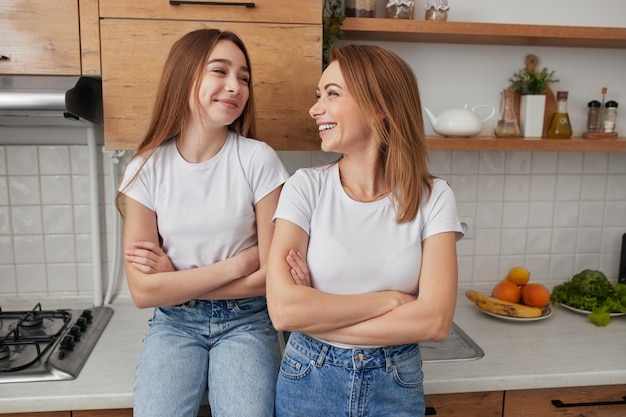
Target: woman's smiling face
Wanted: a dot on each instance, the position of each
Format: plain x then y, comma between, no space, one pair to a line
224,87
337,115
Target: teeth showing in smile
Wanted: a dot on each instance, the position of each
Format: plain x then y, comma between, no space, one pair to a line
326,126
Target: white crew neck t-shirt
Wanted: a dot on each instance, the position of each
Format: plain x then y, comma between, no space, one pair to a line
205,211
357,247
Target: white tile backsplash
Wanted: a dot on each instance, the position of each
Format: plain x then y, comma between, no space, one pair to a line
554,212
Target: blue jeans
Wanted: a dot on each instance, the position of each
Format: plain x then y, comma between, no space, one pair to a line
319,380
228,346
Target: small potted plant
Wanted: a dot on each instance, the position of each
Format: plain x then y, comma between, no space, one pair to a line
333,19
531,87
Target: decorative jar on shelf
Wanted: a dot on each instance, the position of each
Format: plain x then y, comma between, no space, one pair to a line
360,8
399,9
436,10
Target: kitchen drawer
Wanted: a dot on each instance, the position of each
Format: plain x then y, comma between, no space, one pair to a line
471,404
596,401
286,65
277,11
39,37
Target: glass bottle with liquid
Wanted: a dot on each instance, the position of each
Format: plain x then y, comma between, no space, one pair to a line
560,127
507,126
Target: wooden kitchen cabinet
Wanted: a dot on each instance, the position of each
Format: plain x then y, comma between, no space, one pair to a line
284,43
122,412
596,401
39,37
473,404
407,30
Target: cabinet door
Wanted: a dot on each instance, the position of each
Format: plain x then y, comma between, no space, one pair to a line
39,37
274,11
473,404
598,401
285,60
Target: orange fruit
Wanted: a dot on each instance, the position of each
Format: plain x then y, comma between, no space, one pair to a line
518,275
535,295
507,291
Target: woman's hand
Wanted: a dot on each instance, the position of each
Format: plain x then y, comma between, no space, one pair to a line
299,269
148,258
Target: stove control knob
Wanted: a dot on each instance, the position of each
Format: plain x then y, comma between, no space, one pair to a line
88,315
81,322
75,331
67,343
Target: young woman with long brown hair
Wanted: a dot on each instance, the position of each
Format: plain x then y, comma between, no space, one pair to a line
363,263
198,201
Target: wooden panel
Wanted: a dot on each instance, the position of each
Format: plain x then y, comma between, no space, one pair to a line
483,33
286,65
44,414
522,144
275,11
122,412
531,403
39,37
473,404
89,37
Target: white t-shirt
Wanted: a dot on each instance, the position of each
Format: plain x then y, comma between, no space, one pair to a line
205,211
359,247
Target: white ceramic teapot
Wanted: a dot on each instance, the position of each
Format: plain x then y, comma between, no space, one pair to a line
459,122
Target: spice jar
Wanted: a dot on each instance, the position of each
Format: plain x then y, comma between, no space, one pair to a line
593,116
610,116
360,8
399,9
507,126
436,10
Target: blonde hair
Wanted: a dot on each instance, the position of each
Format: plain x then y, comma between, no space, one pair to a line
180,80
384,85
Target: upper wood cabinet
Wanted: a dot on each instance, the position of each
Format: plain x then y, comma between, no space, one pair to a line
39,37
284,42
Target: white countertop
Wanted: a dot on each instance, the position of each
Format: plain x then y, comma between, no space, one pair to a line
562,350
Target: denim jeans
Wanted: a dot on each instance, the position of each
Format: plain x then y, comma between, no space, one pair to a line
228,346
319,380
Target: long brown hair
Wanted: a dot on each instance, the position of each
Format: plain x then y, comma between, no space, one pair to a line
382,83
180,79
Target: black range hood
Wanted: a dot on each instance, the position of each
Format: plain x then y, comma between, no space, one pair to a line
32,100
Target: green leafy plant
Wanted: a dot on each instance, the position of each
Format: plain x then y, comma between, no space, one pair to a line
527,82
333,19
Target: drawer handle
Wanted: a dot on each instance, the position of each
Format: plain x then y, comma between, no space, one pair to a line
213,3
561,404
4,58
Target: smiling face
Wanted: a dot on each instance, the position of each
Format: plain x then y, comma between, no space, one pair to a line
224,87
337,115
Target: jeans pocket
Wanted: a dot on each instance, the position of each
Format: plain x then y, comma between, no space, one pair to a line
295,365
408,373
250,305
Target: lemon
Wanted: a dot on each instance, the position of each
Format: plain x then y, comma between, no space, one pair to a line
518,275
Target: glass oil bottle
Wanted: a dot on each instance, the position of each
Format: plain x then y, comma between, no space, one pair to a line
560,127
507,126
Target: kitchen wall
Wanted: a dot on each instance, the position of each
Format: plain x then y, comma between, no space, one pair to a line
555,212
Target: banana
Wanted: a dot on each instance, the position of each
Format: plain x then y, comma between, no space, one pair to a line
503,308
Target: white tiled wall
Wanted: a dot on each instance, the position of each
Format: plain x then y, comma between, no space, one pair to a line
556,213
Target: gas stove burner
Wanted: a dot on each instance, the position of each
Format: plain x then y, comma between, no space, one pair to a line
32,320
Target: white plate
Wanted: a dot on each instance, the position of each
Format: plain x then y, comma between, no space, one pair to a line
547,312
587,312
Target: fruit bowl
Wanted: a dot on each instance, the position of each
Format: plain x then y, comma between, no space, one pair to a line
547,312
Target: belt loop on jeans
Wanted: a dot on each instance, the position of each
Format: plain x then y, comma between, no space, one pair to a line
322,356
191,303
388,361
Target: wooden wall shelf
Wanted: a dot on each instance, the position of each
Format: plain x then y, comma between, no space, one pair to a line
407,30
526,144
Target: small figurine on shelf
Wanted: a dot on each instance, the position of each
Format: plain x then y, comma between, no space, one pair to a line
436,10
